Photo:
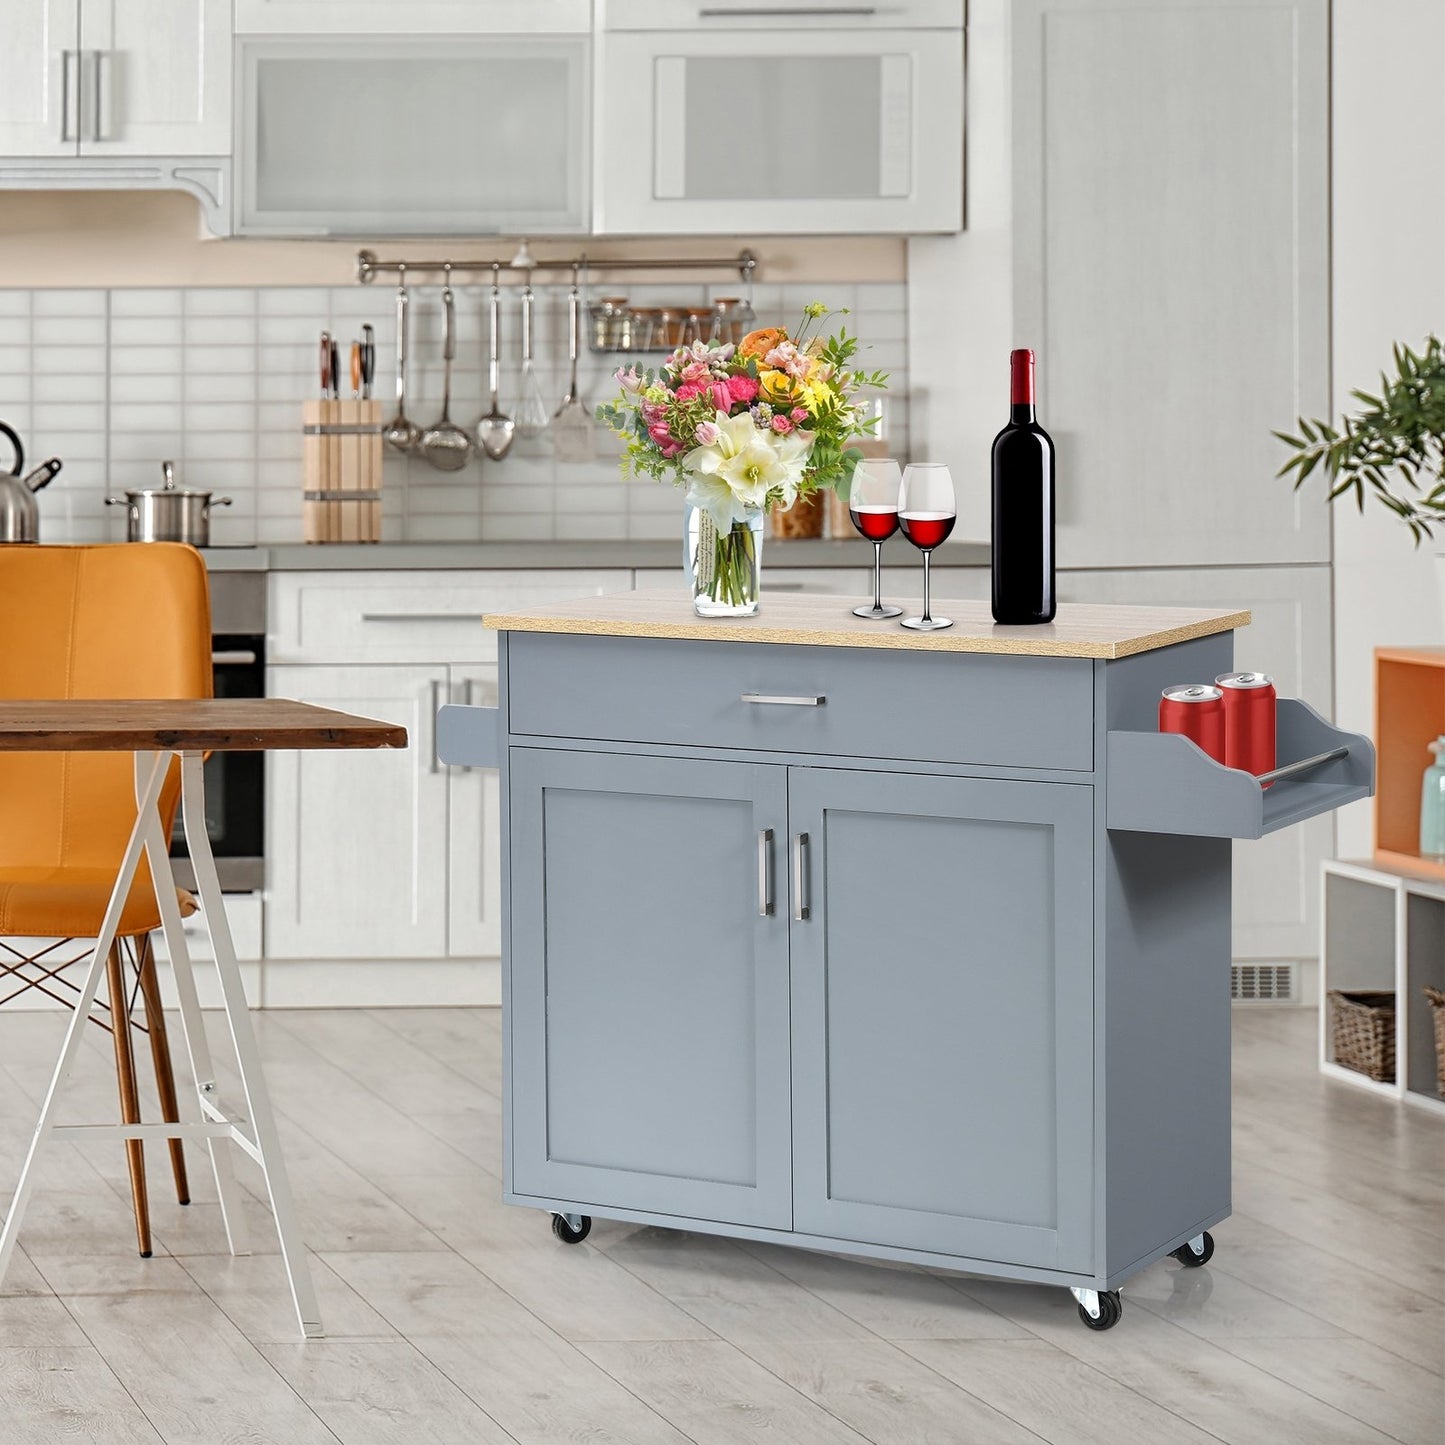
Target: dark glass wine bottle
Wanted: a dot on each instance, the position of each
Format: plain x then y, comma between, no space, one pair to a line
1023,506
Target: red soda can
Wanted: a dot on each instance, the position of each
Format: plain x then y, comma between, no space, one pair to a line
1249,706
1197,711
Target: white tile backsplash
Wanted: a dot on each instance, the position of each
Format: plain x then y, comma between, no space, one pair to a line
113,382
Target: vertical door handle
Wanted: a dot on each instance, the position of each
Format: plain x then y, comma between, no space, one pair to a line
801,911
97,60
436,703
69,94
765,873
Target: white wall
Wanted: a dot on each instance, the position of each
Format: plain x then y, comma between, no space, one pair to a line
1388,285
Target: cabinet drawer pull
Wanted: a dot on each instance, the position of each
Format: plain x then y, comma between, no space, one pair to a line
1289,770
783,700
421,616
436,703
801,911
826,12
765,873
69,94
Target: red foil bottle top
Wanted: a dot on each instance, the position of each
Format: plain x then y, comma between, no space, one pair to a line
1021,377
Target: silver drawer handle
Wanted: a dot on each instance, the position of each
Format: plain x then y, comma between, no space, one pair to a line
800,887
782,700
765,873
421,616
1304,765
241,657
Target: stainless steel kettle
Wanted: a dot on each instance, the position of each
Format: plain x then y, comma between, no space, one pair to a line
19,514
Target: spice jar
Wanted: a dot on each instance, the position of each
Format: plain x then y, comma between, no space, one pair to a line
698,325
669,327
644,328
724,328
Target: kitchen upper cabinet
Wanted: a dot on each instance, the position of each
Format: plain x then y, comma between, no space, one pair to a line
1170,259
1276,878
40,78
802,119
651,1074
156,77
357,857
92,78
413,135
942,986
415,17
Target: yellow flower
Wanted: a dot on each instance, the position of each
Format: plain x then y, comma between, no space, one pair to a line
776,387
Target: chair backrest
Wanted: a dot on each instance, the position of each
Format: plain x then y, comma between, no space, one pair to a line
128,620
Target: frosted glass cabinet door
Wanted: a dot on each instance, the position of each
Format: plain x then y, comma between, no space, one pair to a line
693,138
413,136
649,995
943,1004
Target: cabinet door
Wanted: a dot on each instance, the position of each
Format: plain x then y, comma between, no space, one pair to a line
689,138
1171,257
648,985
413,136
39,78
157,77
356,850
943,1024
474,837
1276,879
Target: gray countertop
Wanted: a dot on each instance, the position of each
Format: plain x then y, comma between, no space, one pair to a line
535,556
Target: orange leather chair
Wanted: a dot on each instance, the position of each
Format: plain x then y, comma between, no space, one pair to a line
121,621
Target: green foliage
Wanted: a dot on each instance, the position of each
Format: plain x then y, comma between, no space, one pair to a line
1398,436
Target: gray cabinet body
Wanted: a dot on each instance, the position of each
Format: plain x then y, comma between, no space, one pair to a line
958,999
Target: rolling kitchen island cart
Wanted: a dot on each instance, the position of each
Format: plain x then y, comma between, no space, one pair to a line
913,946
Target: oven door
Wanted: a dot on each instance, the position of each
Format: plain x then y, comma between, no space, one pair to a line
235,782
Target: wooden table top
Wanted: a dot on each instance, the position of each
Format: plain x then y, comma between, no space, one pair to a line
250,724
1079,630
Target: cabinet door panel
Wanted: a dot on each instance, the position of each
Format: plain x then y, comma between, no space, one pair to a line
356,851
474,839
39,78
943,1015
649,1014
1174,154
157,77
1276,879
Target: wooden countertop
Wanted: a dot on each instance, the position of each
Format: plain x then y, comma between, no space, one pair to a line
186,725
1079,630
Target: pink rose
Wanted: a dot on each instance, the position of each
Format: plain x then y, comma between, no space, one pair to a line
742,388
706,434
782,424
651,412
688,390
696,372
722,397
799,413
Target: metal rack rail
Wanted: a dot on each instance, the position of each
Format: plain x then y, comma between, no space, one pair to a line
369,266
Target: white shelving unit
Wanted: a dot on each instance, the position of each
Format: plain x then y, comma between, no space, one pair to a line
1384,929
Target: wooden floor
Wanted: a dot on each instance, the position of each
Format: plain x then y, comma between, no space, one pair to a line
455,1318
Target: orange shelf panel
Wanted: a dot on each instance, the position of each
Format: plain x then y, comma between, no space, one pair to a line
1409,715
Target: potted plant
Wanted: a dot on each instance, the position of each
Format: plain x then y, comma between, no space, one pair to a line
1393,448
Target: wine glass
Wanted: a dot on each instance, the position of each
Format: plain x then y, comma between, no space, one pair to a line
926,513
873,506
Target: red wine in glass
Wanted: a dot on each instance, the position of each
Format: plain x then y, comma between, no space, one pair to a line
873,506
876,521
927,530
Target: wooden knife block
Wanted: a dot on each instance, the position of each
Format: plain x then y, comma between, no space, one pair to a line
341,471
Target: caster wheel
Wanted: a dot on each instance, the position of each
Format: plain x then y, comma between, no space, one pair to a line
1110,1308
1189,1259
567,1232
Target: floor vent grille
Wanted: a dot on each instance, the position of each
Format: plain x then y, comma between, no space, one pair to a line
1262,982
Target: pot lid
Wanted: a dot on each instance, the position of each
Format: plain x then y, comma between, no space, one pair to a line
170,489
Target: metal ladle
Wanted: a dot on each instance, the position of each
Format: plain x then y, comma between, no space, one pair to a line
495,427
401,434
446,445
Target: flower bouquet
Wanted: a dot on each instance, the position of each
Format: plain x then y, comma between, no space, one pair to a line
743,428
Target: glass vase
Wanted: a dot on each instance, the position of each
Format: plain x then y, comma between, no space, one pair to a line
724,568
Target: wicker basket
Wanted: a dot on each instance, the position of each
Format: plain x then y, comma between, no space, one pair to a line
1364,1033
1437,1008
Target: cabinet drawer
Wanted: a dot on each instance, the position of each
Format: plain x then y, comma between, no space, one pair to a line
1021,712
410,617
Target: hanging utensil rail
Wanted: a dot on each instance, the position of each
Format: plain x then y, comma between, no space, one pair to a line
745,263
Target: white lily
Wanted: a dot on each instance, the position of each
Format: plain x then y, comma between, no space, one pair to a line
735,473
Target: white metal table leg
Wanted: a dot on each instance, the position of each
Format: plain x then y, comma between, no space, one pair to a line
248,1056
193,1028
148,793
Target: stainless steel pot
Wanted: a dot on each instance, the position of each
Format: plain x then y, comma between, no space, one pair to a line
169,513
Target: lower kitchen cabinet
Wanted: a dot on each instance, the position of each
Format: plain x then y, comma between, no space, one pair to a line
942,1085
650,1024
356,858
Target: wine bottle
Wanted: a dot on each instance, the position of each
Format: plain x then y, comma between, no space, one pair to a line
1023,506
